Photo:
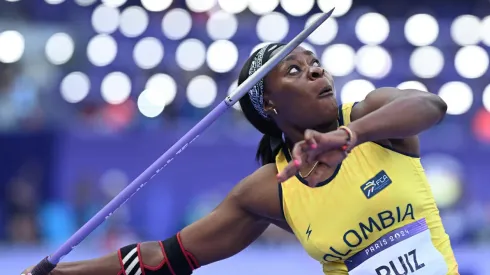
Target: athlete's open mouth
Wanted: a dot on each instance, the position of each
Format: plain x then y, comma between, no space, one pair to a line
327,91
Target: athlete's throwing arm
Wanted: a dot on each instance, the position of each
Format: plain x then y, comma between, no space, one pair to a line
240,219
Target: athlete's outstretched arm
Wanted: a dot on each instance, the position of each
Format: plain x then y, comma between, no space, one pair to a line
232,226
390,113
387,115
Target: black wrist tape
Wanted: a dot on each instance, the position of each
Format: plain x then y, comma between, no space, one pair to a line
176,261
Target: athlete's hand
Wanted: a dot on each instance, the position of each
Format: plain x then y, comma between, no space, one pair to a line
329,149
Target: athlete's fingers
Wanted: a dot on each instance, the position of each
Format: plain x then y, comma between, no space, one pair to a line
311,150
312,155
289,171
322,145
331,157
310,139
299,151
326,142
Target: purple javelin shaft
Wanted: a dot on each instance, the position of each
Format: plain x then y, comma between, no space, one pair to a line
44,267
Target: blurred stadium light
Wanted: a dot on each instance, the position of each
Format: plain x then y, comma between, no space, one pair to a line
272,27
486,98
458,96
373,61
60,48
341,6
12,46
54,2
297,8
133,21
427,62
369,22
148,53
156,6
219,49
412,85
222,25
176,17
151,102
234,6
463,30
471,61
75,87
200,5
102,50
105,19
85,3
356,90
191,54
164,85
326,33
261,7
116,88
421,29
485,30
202,91
339,59
114,3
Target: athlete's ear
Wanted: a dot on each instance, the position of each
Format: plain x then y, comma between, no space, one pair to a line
269,107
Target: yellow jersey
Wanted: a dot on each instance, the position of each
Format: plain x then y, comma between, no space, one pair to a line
375,215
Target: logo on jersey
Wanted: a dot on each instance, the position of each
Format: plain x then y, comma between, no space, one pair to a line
376,184
308,232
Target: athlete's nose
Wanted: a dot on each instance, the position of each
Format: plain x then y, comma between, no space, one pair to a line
315,72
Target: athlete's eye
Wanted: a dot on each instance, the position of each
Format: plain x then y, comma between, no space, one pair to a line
293,69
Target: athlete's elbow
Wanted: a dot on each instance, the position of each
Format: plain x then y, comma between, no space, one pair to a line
439,107
433,105
151,253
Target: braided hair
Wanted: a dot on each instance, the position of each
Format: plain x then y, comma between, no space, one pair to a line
252,105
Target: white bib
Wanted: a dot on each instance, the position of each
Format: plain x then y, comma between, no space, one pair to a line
403,251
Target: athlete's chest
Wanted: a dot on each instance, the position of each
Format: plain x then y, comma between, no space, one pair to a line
367,199
335,229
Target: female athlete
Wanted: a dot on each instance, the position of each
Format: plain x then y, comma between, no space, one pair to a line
352,188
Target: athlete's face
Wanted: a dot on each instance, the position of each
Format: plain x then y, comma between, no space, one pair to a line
301,91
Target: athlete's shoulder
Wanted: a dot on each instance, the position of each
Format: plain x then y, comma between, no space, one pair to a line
382,96
265,173
377,99
261,181
259,192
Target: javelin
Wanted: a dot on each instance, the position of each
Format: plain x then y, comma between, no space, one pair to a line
50,262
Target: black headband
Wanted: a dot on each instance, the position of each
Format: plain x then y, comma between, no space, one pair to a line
259,58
